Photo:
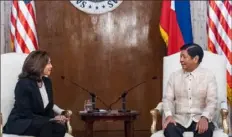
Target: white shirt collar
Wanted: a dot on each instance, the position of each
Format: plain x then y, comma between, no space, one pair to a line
193,73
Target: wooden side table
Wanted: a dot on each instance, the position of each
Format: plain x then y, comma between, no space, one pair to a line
114,115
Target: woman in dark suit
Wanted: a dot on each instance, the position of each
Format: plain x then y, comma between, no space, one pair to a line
33,113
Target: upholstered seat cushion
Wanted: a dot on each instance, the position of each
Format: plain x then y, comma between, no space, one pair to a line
216,133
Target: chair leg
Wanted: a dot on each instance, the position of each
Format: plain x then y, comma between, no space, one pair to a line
69,128
224,114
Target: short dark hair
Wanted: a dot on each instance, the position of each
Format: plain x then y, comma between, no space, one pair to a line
194,50
34,65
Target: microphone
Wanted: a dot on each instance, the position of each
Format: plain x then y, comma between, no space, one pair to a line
124,94
93,95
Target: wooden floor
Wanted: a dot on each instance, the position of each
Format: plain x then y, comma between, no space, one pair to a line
113,134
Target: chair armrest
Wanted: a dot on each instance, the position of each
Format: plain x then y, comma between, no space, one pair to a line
225,126
68,114
154,113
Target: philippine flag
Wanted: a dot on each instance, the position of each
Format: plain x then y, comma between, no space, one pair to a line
175,24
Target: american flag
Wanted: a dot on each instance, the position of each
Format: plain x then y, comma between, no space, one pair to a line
220,35
22,26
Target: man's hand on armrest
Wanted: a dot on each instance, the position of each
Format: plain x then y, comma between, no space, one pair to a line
168,120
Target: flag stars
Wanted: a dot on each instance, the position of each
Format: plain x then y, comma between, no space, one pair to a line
27,1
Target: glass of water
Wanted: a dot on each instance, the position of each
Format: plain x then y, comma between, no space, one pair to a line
88,105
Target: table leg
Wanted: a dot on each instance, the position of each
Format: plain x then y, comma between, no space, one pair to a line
89,129
129,128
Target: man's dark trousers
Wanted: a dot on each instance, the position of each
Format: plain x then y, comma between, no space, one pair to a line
177,130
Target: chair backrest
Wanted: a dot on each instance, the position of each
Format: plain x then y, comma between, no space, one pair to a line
214,62
11,66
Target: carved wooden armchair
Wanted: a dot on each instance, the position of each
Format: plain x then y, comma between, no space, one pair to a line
217,65
11,66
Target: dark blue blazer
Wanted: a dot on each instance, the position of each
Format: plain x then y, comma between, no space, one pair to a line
28,107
